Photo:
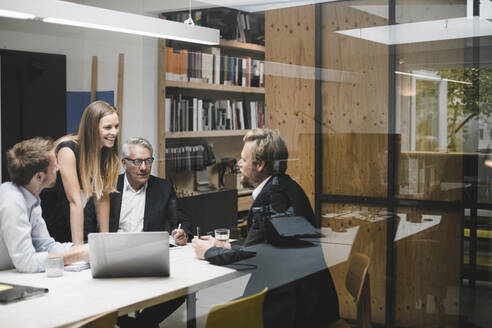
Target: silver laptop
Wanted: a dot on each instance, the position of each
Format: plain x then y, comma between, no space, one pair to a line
129,254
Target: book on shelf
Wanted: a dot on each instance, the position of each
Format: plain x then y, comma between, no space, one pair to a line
168,115
215,51
197,114
261,79
240,115
212,68
241,27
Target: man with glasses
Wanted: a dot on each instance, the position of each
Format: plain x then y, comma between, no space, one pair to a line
143,203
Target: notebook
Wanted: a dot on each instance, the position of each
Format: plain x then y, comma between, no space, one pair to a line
294,227
10,292
290,231
129,254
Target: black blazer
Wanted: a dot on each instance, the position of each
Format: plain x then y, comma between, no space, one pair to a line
310,298
297,199
161,209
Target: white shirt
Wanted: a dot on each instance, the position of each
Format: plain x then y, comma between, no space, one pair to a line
24,239
132,208
258,189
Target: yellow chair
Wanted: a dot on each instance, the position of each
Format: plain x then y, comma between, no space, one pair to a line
357,283
243,313
104,320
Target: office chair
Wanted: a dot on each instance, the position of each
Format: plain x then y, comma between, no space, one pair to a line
103,320
243,313
357,283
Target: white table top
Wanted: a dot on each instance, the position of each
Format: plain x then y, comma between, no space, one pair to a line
76,295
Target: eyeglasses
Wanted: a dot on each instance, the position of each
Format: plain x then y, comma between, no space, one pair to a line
138,161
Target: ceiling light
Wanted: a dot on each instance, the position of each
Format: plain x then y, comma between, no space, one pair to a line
67,13
15,14
430,77
436,30
262,5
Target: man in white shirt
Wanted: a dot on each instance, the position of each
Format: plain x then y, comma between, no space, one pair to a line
24,239
143,203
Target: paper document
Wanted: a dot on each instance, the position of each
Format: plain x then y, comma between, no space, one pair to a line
77,266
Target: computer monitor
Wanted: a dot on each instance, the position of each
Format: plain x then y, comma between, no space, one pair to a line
211,210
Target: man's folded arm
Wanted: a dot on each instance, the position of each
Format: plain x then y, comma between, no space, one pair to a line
222,256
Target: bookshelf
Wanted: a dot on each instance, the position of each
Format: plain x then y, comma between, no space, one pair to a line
214,87
243,46
227,143
206,134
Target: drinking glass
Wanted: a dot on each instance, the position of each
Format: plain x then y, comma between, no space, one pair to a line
222,234
54,266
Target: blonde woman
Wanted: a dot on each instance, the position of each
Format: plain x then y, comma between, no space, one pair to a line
88,166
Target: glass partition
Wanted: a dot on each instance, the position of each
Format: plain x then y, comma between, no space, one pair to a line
384,105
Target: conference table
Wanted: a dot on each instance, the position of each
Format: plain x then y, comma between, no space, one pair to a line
77,296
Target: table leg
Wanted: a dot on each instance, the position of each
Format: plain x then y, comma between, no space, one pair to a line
191,310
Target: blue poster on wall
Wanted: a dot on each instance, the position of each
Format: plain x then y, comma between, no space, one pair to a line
77,101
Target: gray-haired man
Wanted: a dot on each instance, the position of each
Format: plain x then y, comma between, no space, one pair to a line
143,203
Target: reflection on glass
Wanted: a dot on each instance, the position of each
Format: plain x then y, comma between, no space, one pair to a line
443,111
426,132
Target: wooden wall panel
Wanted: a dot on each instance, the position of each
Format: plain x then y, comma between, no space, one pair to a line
370,240
354,162
427,273
355,111
427,264
289,93
359,104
